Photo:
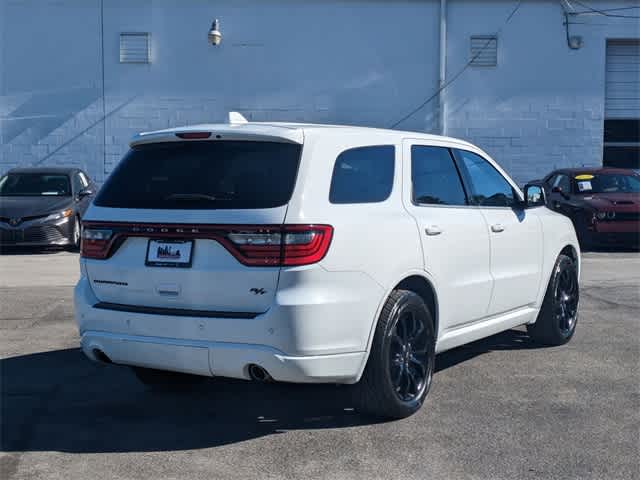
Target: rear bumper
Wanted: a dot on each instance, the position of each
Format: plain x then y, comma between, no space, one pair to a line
317,330
221,359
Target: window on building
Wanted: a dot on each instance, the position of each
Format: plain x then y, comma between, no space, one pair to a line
363,175
135,47
434,177
489,187
484,51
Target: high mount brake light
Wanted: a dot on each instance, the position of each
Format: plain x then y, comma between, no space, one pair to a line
252,245
193,135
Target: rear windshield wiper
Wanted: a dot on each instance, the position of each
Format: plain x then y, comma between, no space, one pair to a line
198,196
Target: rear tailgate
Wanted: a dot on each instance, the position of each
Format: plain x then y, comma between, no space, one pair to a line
169,210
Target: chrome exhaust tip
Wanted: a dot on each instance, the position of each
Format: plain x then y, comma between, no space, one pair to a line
259,374
100,356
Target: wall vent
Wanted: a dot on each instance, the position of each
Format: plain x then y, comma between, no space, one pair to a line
135,47
484,51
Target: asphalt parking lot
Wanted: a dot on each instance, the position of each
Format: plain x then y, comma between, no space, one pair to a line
499,408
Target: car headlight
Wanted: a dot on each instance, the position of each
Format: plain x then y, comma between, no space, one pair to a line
58,215
601,215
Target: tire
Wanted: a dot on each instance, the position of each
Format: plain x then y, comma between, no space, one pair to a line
558,317
166,381
398,374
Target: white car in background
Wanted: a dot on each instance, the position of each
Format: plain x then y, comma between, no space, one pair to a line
316,253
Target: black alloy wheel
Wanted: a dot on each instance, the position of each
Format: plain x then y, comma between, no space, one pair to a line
398,374
558,316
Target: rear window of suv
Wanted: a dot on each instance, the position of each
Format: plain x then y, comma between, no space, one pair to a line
203,175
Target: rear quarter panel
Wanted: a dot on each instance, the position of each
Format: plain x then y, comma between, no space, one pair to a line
379,239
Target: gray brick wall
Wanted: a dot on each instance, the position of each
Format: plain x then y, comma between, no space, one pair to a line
530,138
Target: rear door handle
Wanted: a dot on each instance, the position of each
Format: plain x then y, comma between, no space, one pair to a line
497,228
432,230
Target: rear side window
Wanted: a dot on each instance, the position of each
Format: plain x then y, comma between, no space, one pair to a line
363,175
435,178
203,175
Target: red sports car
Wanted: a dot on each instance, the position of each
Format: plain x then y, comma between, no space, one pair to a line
603,203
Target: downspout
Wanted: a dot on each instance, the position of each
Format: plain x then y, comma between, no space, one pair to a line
104,101
443,67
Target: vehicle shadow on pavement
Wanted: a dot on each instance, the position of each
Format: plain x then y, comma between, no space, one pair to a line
60,401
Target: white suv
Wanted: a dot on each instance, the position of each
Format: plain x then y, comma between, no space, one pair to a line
316,253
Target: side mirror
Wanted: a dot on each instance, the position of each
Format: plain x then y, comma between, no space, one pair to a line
560,191
534,196
86,192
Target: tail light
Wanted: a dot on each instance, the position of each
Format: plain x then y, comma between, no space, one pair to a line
252,245
95,242
289,245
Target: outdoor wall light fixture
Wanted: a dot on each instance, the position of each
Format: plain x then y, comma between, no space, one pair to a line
575,42
215,37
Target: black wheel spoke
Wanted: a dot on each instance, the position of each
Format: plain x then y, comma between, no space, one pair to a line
416,362
409,356
566,300
395,339
412,381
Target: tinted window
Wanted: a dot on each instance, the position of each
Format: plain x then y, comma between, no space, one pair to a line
490,188
83,179
77,183
363,175
434,177
563,182
34,184
203,175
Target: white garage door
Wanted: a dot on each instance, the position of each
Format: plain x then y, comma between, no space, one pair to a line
622,104
623,79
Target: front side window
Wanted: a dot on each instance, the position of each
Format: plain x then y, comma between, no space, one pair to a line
77,183
562,182
203,175
434,177
363,175
489,187
34,185
83,179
